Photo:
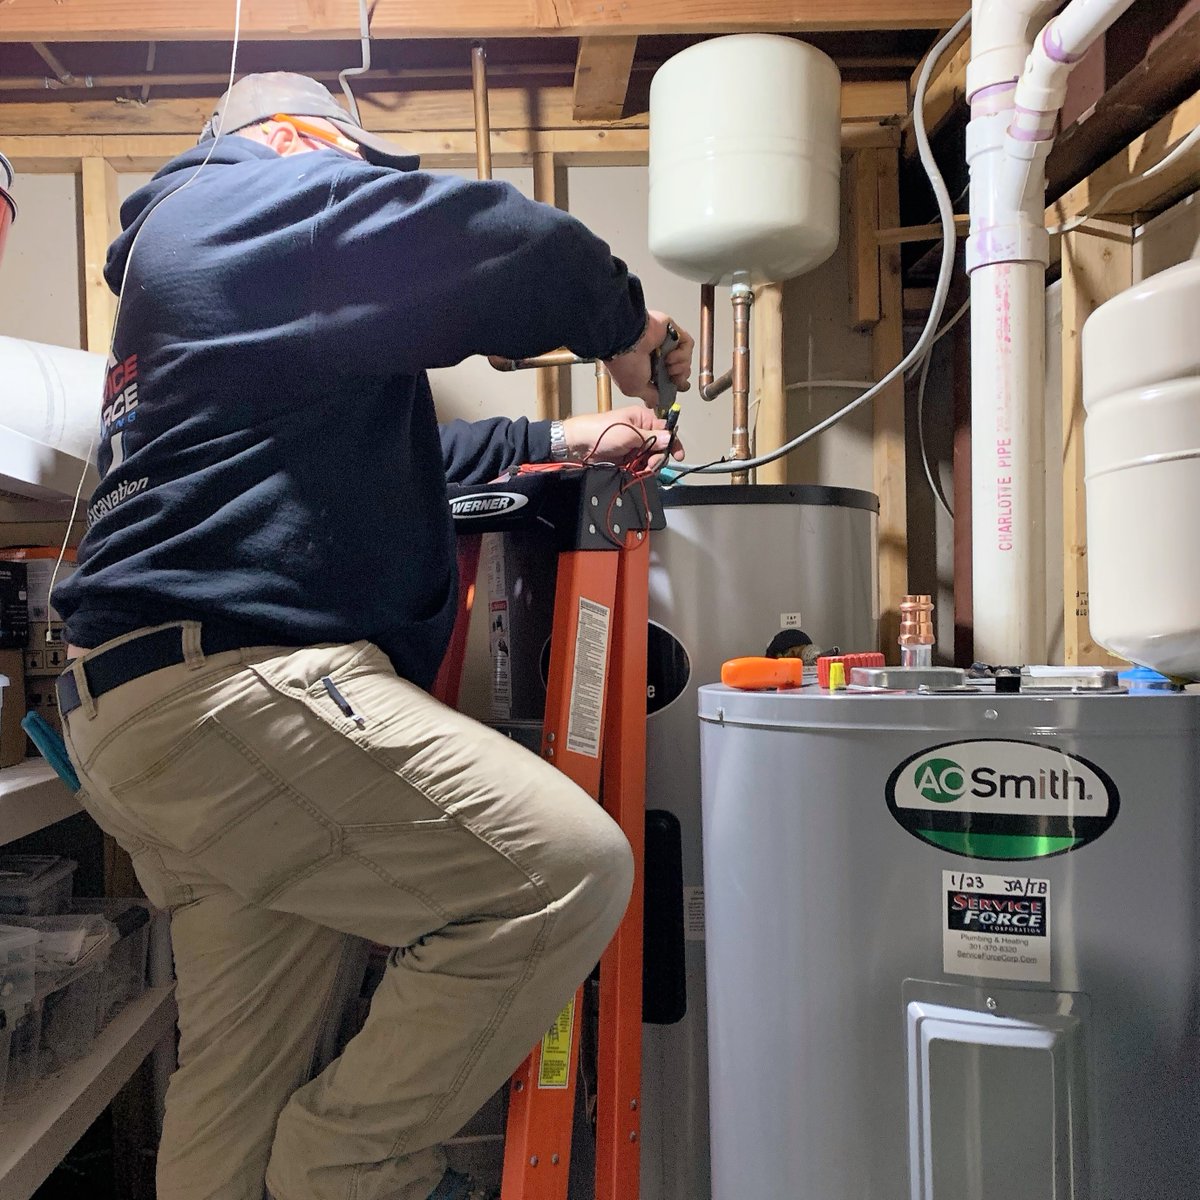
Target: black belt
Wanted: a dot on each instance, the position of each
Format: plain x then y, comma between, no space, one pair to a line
134,658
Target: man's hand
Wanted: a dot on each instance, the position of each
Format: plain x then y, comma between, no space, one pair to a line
631,371
619,436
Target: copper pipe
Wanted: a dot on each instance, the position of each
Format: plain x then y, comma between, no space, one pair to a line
719,386
483,120
742,298
916,631
552,358
708,302
603,388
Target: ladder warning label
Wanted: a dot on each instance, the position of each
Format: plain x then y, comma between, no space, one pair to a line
554,1070
587,682
693,914
996,926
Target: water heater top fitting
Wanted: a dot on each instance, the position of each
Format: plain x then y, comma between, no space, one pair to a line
745,159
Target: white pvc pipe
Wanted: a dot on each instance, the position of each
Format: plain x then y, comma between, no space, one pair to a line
51,394
1008,354
1011,130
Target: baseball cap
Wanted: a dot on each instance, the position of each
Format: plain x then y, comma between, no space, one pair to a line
259,97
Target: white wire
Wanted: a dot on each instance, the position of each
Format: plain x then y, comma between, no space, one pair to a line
934,486
855,384
87,461
949,245
1163,163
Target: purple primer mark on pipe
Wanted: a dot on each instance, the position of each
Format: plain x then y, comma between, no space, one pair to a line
1052,44
992,88
1030,135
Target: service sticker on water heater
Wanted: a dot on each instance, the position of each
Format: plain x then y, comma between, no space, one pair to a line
996,926
1002,800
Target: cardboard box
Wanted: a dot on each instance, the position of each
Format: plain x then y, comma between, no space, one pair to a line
12,736
14,605
40,562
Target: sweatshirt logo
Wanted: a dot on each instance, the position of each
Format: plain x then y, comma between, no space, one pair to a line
992,799
486,504
122,492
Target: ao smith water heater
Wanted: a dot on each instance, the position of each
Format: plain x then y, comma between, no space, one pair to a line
953,923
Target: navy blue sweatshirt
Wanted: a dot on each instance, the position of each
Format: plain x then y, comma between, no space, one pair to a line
271,463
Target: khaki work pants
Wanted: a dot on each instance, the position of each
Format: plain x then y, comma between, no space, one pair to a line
272,825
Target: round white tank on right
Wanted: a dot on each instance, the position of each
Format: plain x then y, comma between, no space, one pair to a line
1141,390
745,159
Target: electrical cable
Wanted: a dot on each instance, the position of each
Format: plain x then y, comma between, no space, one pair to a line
1093,210
364,35
855,384
725,466
87,461
935,487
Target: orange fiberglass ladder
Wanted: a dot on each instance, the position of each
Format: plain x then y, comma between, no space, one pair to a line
595,732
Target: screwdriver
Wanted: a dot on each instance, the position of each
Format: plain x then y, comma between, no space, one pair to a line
668,404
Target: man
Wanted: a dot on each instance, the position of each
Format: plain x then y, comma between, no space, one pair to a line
264,594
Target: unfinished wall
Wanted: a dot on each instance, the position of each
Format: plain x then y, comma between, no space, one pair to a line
40,275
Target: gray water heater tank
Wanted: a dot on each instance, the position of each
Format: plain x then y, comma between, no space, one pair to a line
734,567
953,945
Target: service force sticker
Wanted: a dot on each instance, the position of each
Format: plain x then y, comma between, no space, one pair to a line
996,926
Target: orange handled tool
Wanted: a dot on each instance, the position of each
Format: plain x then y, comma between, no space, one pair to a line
759,674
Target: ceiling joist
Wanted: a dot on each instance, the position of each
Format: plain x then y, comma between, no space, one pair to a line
212,20
385,112
602,70
57,153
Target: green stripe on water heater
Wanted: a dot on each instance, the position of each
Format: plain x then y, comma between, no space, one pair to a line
999,845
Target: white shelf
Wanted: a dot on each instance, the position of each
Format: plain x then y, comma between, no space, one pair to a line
30,468
37,1137
31,797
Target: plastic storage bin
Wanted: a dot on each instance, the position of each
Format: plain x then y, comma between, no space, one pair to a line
5,1043
70,959
35,885
24,1050
125,972
70,1014
17,948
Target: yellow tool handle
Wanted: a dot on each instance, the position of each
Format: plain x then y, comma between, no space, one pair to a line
759,674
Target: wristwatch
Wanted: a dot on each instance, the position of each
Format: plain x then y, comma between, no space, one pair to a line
559,450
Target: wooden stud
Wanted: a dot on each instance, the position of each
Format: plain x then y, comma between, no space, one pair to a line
618,147
766,359
863,199
101,223
395,113
887,349
902,234
287,20
1094,269
602,69
553,383
1148,195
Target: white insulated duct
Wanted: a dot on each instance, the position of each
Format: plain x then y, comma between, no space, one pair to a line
1015,91
51,394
